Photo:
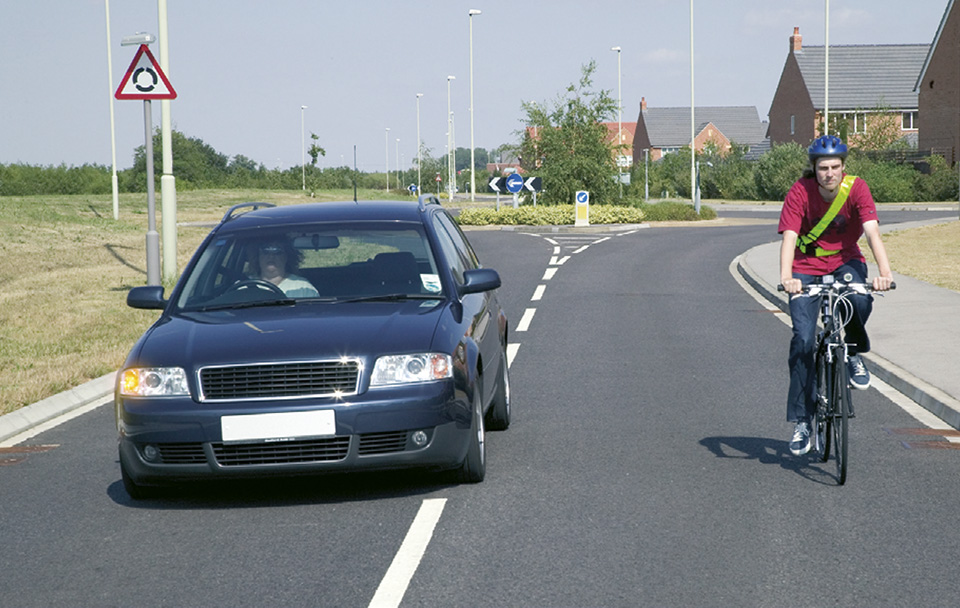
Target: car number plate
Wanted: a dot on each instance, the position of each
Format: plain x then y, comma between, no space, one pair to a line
278,426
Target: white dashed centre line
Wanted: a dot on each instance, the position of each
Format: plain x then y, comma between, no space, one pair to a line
548,274
394,584
526,319
538,293
512,352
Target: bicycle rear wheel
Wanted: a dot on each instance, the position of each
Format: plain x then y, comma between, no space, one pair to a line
841,408
821,421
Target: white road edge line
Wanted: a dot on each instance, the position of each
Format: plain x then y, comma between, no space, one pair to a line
54,422
526,319
394,584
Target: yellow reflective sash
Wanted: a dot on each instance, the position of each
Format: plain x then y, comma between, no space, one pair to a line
807,239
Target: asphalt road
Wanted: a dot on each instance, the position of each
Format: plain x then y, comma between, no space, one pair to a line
647,464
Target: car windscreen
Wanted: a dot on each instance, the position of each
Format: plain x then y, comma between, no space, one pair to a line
285,264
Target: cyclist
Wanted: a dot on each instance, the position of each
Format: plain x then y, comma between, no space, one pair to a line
824,215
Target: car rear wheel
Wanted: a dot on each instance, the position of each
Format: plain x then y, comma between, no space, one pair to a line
474,466
498,418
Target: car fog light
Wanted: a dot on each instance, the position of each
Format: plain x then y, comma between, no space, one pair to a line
151,453
419,439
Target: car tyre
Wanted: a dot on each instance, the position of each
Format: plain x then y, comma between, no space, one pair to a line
474,466
498,418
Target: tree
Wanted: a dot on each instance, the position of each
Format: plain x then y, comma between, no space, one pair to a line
567,144
315,150
778,169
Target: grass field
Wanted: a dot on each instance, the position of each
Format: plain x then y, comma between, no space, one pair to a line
66,267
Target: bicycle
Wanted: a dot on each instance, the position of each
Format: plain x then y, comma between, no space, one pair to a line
834,404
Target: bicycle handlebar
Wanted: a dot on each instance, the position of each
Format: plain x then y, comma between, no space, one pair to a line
838,286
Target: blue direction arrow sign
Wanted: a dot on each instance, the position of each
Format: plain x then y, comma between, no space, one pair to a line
514,183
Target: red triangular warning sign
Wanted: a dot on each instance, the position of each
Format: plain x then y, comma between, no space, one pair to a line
144,79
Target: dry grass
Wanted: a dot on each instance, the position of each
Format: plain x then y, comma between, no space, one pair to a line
66,267
930,253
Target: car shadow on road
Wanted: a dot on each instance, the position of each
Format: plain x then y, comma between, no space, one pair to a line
299,490
773,452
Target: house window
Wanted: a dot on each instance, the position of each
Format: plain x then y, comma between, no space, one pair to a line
793,124
665,151
909,121
857,122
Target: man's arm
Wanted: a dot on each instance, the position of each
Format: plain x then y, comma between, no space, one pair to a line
871,230
788,248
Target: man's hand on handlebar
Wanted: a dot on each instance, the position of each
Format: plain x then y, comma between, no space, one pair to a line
792,285
882,283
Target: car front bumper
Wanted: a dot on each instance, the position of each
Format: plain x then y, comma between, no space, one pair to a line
165,440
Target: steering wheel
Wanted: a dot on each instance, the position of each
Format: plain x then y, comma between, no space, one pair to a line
255,283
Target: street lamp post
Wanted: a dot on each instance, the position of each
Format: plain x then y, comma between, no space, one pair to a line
113,130
450,154
419,160
303,158
168,183
386,147
473,162
693,125
619,121
397,158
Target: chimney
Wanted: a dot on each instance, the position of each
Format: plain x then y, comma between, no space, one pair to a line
796,41
643,104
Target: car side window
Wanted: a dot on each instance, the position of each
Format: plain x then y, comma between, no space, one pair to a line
466,251
450,251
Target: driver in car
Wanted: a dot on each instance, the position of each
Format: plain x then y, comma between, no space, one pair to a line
276,262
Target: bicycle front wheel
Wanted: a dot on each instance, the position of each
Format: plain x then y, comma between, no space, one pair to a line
841,409
822,417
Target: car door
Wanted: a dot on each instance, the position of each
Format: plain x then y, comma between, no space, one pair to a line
480,307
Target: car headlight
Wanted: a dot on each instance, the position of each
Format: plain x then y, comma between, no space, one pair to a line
407,369
154,382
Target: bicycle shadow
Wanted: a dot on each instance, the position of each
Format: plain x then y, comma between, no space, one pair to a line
774,452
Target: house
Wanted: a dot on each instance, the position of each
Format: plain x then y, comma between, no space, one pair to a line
666,130
938,87
625,132
865,83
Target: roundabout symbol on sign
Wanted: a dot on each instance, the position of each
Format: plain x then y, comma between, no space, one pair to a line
514,183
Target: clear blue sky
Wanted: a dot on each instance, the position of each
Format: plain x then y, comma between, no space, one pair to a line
243,68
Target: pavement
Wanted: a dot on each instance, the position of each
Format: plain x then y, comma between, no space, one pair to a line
914,331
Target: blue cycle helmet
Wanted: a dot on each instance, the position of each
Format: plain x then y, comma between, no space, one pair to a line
826,145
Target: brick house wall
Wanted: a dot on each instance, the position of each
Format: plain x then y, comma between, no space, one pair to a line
792,115
939,92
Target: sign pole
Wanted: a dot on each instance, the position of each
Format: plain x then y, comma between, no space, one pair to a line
153,238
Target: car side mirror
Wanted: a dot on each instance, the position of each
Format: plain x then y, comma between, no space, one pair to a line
479,280
149,297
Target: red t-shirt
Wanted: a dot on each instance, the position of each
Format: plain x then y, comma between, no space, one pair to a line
803,208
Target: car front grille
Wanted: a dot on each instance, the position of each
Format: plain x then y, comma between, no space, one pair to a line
288,452
182,453
382,443
339,377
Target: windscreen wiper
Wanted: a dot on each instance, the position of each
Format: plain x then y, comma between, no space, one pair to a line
253,304
391,297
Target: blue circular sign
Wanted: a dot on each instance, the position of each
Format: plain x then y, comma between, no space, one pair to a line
514,183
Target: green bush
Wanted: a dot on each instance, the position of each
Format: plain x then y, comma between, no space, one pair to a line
548,215
673,211
778,169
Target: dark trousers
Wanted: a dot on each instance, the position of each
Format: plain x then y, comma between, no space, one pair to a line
804,312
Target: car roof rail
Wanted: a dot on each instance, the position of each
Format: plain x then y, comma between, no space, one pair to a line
427,199
232,212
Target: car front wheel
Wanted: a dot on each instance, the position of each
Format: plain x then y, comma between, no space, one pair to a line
474,466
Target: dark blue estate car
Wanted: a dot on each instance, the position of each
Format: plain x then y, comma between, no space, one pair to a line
317,338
